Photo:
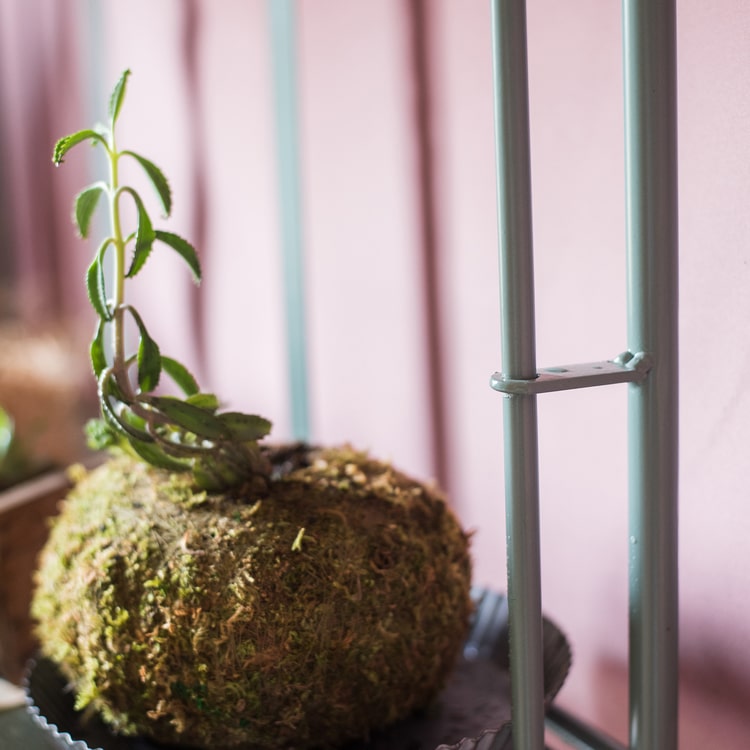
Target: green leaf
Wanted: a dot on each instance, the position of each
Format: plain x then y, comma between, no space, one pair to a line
98,356
144,236
7,434
95,285
245,427
118,94
215,473
114,389
207,401
99,435
184,248
107,386
158,180
85,205
149,364
189,417
66,143
149,357
181,376
154,455
121,426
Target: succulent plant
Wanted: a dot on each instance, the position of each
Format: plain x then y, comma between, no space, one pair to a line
179,434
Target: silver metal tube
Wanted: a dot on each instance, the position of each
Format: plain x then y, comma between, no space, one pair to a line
514,187
652,242
518,361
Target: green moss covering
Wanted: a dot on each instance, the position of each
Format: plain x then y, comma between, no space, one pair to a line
331,606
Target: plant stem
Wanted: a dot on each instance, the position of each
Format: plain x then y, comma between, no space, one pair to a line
118,324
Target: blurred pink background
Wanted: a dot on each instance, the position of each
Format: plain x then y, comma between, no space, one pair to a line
200,105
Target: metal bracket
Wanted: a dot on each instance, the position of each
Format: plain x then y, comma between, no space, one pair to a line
625,368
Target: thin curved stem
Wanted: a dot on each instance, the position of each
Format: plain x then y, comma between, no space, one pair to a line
118,323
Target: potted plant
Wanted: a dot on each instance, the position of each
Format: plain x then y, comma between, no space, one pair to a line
203,587
41,412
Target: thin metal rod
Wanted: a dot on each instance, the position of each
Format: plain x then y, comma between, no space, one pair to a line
282,17
651,208
519,362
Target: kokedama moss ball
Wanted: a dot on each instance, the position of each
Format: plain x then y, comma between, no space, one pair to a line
314,612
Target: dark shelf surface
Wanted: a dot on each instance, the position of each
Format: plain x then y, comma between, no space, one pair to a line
468,714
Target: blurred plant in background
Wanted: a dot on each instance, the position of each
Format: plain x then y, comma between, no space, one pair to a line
16,463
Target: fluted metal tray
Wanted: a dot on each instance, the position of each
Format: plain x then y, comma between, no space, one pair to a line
472,712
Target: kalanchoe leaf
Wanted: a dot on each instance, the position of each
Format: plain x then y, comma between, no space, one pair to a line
207,401
157,178
149,364
113,389
66,143
176,442
144,236
112,415
181,376
199,421
95,285
153,454
184,248
214,474
149,357
116,99
122,426
98,356
245,427
133,419
85,205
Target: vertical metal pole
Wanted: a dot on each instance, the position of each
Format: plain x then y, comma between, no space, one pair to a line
95,91
651,187
91,61
519,361
282,16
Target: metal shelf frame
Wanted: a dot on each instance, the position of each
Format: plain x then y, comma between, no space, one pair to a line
649,367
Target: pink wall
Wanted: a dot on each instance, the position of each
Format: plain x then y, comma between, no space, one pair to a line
366,325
